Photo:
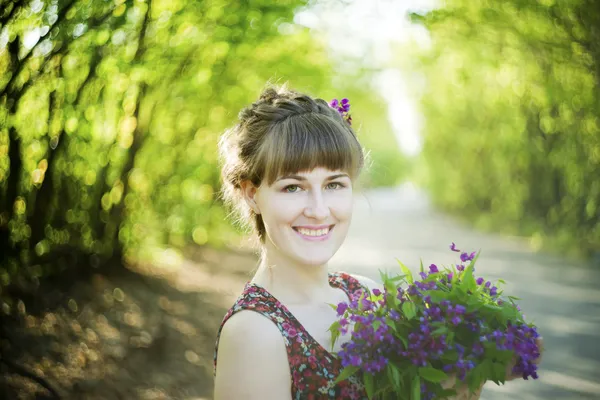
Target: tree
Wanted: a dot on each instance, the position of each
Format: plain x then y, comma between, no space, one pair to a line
512,107
109,116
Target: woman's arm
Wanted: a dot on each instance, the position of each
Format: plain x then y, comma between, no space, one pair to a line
252,360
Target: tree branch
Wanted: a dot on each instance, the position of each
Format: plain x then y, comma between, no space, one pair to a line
21,63
8,17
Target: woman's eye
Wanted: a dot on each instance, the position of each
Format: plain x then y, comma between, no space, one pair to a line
291,188
335,185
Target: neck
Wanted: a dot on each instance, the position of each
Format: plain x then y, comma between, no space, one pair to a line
290,281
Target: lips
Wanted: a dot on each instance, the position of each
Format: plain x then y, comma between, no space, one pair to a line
314,232
313,228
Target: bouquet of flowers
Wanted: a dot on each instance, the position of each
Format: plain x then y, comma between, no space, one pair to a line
416,336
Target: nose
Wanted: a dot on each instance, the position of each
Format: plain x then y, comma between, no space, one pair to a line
317,207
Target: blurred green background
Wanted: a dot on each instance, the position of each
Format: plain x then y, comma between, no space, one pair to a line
512,107
110,112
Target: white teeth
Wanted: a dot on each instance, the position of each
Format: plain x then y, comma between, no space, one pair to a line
313,232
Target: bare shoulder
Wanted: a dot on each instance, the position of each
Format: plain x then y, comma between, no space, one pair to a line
367,282
249,340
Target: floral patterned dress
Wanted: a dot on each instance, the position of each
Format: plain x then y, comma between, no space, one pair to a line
313,368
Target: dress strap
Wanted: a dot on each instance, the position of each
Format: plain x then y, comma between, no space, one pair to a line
352,286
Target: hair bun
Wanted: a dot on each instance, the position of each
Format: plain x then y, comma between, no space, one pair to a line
269,95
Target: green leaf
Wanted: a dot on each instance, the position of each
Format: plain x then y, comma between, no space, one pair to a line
475,377
451,356
369,385
468,281
376,324
381,391
499,373
346,373
398,278
362,296
409,310
383,275
446,393
486,368
437,295
492,307
474,260
440,331
407,273
396,376
432,375
416,388
335,332
422,268
404,341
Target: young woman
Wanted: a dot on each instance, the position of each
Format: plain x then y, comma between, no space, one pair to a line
289,167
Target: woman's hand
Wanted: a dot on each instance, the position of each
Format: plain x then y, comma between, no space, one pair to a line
462,389
509,374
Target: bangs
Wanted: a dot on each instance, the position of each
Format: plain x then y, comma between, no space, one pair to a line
307,141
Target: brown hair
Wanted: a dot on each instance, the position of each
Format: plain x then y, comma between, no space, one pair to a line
284,132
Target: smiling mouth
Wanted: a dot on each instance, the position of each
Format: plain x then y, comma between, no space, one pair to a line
315,233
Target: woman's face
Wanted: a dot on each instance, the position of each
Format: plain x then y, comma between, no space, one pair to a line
306,215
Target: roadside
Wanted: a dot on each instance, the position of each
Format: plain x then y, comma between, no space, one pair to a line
123,335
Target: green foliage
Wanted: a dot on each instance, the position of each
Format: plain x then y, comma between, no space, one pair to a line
109,122
512,111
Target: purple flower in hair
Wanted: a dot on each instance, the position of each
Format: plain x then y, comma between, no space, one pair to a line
343,108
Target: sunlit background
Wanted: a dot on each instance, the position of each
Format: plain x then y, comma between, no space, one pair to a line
117,257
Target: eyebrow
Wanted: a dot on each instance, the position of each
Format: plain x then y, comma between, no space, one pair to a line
301,178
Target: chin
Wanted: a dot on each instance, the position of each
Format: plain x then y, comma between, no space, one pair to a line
314,260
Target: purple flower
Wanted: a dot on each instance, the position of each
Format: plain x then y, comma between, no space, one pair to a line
355,360
433,268
467,257
459,309
453,248
460,267
341,309
480,281
493,291
376,292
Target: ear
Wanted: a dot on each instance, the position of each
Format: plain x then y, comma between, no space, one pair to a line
249,191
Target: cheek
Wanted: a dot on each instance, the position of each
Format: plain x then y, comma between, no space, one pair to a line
281,210
343,206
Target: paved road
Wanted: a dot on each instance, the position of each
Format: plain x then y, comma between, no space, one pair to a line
560,296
